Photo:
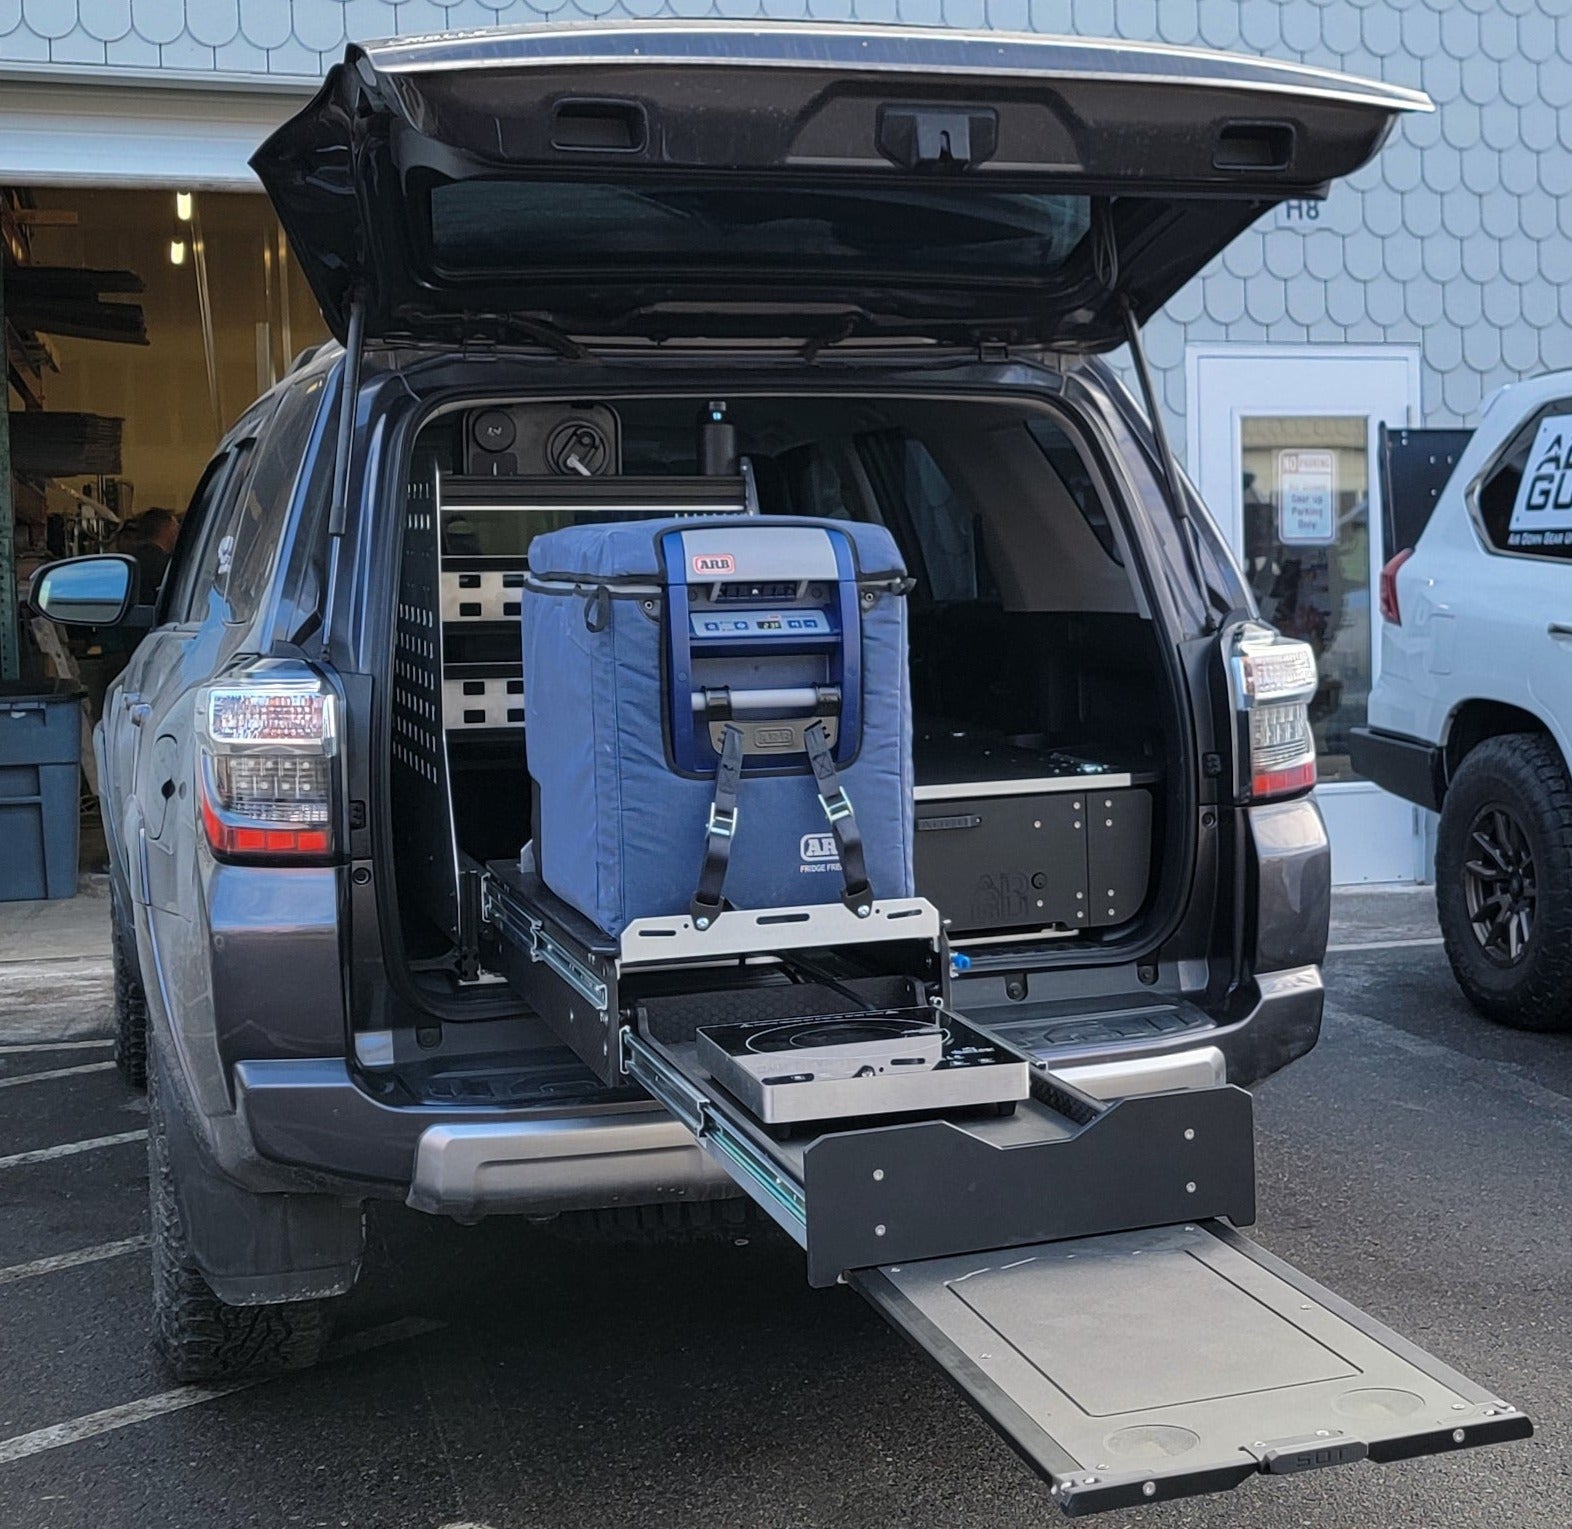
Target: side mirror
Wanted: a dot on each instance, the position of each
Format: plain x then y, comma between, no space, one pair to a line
86,591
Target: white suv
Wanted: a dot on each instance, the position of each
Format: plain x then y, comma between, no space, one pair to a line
1472,713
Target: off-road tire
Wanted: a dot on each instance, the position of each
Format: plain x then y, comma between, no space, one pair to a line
672,1221
197,1336
130,1051
1524,774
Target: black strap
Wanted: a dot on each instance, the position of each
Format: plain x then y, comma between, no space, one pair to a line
856,894
707,902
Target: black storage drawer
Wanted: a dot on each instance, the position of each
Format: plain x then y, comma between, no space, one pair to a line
1070,854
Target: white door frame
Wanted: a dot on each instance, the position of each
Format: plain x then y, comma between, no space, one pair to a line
1355,807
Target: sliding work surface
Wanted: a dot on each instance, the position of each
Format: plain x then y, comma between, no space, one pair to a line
1148,1365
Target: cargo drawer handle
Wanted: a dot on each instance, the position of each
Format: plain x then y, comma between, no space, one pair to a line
957,820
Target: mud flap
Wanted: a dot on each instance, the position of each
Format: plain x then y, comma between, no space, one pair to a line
1142,1366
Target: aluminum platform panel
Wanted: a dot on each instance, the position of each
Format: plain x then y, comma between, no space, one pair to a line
1141,1366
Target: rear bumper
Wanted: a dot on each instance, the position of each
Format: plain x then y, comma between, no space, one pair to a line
543,1167
1407,767
310,1118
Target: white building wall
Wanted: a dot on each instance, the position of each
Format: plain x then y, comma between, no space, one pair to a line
1459,238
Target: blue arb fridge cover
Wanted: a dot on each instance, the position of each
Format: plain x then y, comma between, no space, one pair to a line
620,829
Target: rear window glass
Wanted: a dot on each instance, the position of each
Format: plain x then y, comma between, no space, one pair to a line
1525,500
1071,471
515,225
935,528
265,501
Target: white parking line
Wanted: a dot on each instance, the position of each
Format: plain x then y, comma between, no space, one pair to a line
71,1260
70,1148
55,1072
82,960
22,1049
1343,950
23,1445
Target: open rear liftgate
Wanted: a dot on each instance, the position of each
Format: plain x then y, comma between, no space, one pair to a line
1066,1265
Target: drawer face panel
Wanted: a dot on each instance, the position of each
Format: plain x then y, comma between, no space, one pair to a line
1068,859
1118,853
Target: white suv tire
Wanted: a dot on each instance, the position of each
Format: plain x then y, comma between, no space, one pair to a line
1504,881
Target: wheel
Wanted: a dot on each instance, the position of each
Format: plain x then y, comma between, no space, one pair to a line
1504,882
197,1336
130,1012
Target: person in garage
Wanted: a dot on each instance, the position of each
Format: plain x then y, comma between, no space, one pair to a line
151,540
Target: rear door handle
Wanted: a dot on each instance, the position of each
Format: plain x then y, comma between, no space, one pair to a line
1560,629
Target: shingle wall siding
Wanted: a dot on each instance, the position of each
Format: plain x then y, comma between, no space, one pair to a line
1459,238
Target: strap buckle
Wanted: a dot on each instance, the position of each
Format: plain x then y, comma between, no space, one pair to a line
837,805
722,821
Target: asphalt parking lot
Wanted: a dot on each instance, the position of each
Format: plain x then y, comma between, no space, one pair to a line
499,1376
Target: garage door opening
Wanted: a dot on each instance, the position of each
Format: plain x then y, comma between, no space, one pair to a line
138,325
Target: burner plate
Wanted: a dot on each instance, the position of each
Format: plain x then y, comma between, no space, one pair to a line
830,1067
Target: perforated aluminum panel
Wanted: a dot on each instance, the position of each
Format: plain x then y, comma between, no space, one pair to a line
422,807
491,594
496,701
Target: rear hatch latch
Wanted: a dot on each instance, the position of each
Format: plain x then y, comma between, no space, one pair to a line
928,137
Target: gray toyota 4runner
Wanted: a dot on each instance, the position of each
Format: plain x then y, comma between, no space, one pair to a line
846,272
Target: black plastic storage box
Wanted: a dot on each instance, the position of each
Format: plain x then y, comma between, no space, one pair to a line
40,790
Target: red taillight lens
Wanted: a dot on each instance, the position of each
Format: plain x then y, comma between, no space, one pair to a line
1274,680
1390,609
265,775
233,839
1288,782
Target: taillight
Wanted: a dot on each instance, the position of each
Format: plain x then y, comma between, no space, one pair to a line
265,767
1274,679
1390,609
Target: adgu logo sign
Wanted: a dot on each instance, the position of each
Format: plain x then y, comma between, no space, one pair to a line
1542,511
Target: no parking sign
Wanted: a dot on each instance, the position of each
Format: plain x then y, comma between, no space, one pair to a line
1306,498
